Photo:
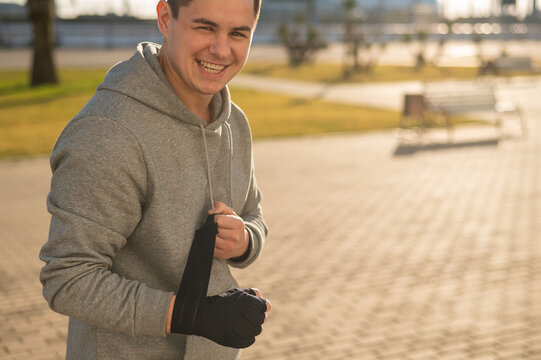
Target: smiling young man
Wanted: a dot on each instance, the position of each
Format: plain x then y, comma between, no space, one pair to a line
205,45
158,150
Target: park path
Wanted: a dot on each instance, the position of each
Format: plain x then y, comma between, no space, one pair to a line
371,255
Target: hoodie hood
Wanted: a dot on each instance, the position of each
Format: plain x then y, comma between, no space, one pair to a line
142,79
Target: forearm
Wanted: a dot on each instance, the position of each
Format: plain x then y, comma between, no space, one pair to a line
255,233
254,223
101,298
78,281
170,314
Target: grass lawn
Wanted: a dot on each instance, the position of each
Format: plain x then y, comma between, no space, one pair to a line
273,115
32,118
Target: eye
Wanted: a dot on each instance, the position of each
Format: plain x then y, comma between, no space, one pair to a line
239,34
205,28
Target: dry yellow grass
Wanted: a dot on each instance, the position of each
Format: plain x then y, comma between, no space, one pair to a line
31,118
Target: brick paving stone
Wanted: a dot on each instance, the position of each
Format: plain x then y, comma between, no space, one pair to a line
435,255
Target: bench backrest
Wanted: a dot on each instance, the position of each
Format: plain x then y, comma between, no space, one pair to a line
514,63
459,97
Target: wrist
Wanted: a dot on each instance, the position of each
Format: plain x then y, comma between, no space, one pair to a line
247,248
169,315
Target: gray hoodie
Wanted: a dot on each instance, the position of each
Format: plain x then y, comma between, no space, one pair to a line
129,189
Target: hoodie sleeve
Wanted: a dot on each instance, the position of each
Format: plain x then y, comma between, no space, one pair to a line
97,194
252,215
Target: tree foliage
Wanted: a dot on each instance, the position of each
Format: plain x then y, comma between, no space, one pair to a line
301,41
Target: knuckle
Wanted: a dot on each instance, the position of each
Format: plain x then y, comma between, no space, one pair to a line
258,330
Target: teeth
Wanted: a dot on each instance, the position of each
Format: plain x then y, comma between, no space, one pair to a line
211,68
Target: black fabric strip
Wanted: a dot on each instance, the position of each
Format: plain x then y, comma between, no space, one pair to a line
195,279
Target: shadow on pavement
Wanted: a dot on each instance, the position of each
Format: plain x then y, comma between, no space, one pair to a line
410,149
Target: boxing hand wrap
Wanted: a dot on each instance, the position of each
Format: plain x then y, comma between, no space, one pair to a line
231,319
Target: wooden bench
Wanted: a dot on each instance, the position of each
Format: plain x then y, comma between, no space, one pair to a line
513,64
439,103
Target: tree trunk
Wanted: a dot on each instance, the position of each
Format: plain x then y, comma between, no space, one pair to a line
41,13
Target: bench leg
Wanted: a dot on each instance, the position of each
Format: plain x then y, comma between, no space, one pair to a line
498,125
450,128
412,124
517,113
523,125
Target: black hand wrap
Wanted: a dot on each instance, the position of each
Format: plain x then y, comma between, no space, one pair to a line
231,319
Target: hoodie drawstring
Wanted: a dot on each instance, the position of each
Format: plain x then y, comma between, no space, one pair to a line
230,134
230,165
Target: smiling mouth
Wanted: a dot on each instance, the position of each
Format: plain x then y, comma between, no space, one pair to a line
211,68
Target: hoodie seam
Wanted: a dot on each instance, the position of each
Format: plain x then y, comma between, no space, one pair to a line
134,136
106,116
127,97
115,106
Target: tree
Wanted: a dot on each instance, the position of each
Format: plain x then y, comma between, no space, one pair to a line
420,61
352,41
302,41
446,31
41,14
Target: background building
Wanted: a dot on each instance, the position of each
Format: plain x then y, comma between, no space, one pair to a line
388,19
521,9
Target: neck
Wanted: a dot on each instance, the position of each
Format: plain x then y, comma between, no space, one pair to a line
199,104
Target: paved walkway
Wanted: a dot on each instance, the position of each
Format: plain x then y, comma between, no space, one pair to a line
456,53
383,95
434,255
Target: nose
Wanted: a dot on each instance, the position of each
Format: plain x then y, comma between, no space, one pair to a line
220,47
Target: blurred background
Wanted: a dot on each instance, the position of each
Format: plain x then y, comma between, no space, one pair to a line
397,147
123,22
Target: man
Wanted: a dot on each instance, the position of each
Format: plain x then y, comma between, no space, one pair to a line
159,148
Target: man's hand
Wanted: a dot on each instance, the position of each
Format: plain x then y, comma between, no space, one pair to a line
233,318
232,239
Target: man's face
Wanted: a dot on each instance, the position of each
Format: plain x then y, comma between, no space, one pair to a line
207,45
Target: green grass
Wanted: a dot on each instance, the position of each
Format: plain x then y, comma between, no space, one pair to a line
333,73
32,118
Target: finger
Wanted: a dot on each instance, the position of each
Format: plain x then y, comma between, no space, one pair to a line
224,244
232,222
230,241
257,293
221,248
222,208
220,254
218,208
248,290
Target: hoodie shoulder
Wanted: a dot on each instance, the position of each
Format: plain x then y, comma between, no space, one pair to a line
141,79
240,124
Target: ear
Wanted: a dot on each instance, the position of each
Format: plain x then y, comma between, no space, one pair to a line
163,10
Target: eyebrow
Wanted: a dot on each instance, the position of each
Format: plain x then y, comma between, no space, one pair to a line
212,23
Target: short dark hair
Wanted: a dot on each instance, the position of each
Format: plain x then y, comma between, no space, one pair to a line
176,4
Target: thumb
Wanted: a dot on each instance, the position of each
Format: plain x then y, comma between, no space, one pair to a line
222,208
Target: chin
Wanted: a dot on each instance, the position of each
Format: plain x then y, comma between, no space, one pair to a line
211,90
